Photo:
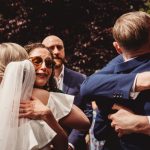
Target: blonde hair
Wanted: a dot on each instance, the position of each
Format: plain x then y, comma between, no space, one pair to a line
132,30
10,52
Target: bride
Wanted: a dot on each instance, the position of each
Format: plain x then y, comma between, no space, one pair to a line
17,80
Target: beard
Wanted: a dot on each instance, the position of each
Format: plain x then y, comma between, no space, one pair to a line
59,62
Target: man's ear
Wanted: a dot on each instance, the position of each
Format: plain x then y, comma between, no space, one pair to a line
117,47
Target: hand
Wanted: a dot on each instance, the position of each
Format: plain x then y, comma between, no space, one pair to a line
33,109
124,121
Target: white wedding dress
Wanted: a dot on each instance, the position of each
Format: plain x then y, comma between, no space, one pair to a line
25,134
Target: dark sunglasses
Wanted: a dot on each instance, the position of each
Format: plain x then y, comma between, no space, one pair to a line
38,60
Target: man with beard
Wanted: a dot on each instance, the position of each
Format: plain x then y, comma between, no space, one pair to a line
69,82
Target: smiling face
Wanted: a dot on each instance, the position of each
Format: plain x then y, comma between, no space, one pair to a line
42,60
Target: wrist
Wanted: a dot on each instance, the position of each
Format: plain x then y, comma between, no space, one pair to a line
143,125
45,115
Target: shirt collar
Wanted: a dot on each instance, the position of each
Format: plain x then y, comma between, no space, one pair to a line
62,72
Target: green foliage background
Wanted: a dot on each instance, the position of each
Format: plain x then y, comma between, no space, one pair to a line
84,25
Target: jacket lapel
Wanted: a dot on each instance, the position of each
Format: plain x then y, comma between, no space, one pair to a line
66,81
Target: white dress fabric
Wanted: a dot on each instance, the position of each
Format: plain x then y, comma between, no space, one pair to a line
23,134
60,104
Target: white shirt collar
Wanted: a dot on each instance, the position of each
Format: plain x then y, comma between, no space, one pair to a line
60,79
62,72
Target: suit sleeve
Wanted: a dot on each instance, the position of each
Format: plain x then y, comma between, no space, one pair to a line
107,84
103,86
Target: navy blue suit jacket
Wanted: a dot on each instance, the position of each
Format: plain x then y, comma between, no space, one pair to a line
113,85
71,85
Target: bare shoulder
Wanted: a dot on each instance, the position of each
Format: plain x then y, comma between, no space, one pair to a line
41,94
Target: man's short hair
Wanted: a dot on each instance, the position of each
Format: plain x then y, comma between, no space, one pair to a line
132,30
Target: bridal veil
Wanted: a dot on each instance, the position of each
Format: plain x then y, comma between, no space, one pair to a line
15,133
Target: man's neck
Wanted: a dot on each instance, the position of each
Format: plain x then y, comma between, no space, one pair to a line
58,71
127,55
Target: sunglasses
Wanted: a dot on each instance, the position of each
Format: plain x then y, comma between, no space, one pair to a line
38,61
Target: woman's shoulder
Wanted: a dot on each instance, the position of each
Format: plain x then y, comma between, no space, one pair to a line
62,97
41,94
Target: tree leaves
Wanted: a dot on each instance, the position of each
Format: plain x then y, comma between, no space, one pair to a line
84,25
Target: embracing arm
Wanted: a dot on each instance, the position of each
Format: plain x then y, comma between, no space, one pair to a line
108,84
79,123
60,141
35,109
77,136
103,82
76,119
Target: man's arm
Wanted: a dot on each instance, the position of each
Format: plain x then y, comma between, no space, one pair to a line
107,84
125,122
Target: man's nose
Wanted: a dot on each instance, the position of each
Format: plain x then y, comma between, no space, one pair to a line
56,50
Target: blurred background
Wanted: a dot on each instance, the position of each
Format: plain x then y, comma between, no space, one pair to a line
84,26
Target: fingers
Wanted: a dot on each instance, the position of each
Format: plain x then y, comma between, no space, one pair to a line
25,101
24,110
117,129
112,124
110,116
33,98
21,111
25,115
26,104
120,134
117,107
30,115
